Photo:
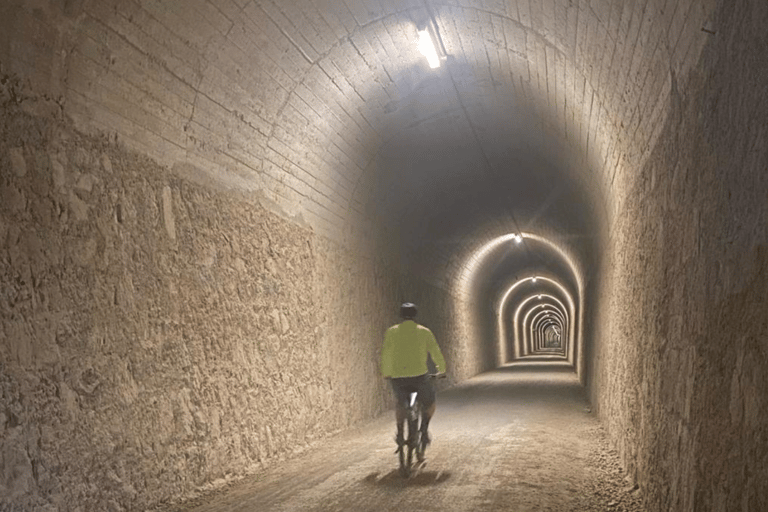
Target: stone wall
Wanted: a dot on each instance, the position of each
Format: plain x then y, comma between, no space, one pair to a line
159,337
682,345
156,335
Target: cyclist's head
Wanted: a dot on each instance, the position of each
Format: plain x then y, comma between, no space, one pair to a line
408,310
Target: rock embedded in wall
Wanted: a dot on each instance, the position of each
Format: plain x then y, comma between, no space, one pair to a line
168,219
12,198
18,163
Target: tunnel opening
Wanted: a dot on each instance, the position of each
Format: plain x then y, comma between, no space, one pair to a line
513,274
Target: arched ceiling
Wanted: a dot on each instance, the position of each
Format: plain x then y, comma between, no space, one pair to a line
540,111
310,101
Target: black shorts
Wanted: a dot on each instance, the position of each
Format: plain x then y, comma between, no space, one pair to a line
421,384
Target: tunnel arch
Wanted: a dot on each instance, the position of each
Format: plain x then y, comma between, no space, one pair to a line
539,320
506,306
327,74
494,250
240,154
545,336
335,86
549,327
304,58
522,332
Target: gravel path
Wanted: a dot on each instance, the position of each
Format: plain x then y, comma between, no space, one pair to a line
520,438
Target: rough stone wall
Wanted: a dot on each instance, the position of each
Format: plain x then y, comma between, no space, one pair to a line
682,346
158,336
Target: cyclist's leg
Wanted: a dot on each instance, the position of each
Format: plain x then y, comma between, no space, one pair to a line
400,414
428,404
402,395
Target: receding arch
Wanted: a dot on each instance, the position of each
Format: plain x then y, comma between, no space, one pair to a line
502,306
521,335
546,317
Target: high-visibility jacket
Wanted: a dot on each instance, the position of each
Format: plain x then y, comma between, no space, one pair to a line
406,346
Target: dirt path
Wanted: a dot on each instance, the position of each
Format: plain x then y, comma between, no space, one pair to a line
517,439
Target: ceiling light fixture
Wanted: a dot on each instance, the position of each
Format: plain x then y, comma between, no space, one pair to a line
427,49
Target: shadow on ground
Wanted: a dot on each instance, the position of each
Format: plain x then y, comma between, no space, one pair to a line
420,479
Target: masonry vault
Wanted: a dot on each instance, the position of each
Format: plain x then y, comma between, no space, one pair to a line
210,211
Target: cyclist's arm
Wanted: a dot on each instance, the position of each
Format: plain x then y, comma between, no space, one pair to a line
387,356
434,351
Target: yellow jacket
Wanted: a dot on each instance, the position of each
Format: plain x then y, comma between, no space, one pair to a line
406,346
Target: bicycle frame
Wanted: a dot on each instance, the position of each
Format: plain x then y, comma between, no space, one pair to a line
412,410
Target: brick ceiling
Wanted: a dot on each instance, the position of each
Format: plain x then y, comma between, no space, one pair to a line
325,108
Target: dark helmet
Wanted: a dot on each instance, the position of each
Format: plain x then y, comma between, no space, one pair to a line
408,310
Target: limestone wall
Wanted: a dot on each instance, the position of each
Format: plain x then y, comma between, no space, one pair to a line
681,345
157,335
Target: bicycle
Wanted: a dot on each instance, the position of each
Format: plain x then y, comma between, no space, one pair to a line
414,442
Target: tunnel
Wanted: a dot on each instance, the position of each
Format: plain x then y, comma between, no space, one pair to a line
211,210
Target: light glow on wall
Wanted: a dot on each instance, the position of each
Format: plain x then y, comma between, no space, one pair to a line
427,48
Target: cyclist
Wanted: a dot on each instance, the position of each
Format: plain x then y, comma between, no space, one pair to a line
404,361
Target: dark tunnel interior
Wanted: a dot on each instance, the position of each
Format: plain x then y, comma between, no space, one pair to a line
211,210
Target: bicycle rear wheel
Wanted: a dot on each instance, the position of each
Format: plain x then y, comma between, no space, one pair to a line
421,448
413,442
405,452
405,469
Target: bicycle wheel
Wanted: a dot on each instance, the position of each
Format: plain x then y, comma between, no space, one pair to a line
413,437
420,450
404,450
404,469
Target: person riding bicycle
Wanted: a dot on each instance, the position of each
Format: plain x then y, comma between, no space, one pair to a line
407,347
